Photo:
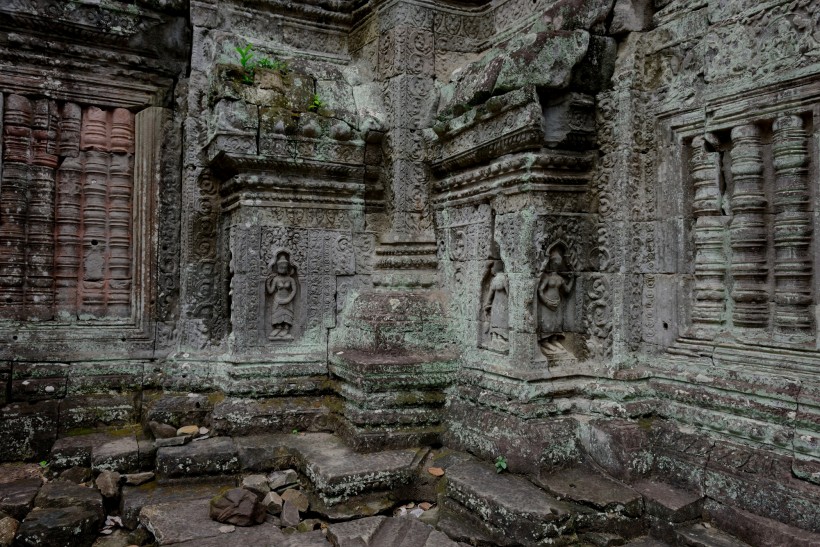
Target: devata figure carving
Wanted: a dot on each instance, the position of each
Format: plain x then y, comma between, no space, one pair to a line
555,286
495,309
282,285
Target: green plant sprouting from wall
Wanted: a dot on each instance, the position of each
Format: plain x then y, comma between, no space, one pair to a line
248,64
316,103
500,464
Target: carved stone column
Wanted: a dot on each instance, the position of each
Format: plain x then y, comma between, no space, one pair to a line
748,230
710,228
792,231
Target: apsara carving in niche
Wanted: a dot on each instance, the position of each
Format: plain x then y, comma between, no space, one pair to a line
557,281
282,285
495,308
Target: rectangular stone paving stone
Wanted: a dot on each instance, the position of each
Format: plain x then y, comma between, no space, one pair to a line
68,494
120,454
215,456
76,450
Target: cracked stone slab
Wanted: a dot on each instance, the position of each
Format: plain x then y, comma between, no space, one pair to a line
509,502
59,526
585,486
336,471
386,532
134,498
68,494
669,503
188,523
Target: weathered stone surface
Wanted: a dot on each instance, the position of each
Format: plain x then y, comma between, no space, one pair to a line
108,483
384,531
297,498
121,455
669,503
136,479
76,475
290,514
282,479
76,450
29,430
273,502
588,487
188,521
238,506
17,498
258,484
162,431
176,440
8,530
134,498
66,494
215,456
59,526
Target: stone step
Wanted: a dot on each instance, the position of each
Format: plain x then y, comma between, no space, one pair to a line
134,498
757,530
699,534
511,506
667,507
614,508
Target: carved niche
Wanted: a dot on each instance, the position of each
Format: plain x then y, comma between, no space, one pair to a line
494,323
559,328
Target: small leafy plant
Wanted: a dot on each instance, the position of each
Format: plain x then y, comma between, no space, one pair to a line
316,103
295,432
275,64
500,464
246,61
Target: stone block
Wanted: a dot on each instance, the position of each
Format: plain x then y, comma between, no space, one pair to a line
59,526
68,494
134,498
17,497
28,430
214,456
76,450
122,455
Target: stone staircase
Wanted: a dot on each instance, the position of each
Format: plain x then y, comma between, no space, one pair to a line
351,495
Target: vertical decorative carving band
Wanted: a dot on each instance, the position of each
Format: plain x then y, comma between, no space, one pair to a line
792,230
710,226
748,230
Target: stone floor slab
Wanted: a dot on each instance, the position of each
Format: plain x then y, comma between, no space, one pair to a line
669,503
701,535
74,526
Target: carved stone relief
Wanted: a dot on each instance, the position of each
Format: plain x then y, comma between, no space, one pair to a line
494,333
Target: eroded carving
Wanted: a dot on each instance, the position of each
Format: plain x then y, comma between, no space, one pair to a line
282,286
495,320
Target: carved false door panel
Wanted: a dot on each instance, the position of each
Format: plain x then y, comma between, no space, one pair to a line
284,277
753,230
66,211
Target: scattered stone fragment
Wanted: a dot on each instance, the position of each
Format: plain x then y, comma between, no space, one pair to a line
273,502
416,512
77,475
8,529
136,479
257,484
309,525
238,506
227,529
436,471
67,494
425,505
297,498
282,479
17,498
188,430
108,483
173,441
59,526
162,431
290,515
203,432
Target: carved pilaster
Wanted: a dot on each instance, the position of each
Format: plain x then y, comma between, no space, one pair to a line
710,228
119,235
95,193
792,231
39,297
67,221
748,230
13,188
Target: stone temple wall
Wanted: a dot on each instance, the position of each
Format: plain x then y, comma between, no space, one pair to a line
553,229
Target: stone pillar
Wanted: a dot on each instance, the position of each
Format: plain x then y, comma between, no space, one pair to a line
792,231
406,256
39,299
17,117
748,230
710,228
